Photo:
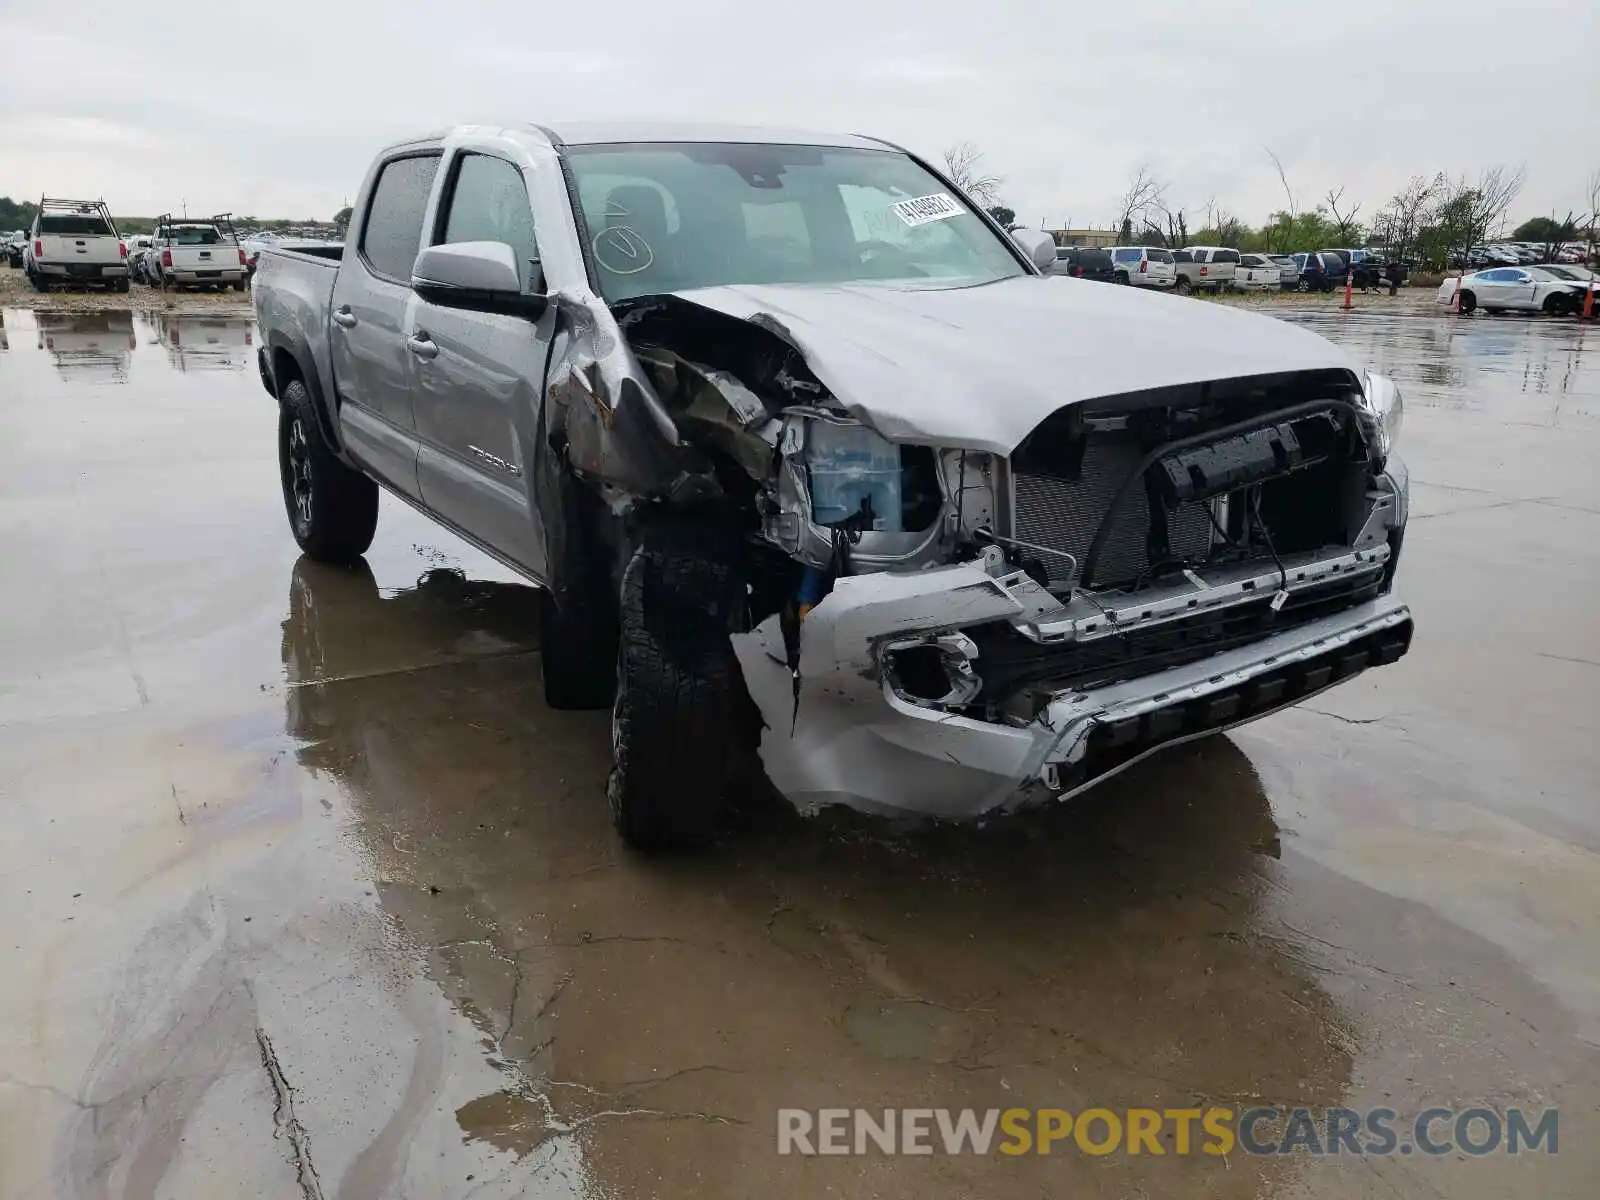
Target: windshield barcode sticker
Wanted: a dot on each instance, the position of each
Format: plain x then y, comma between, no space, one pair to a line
937,207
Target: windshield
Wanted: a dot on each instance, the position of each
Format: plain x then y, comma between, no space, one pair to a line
665,216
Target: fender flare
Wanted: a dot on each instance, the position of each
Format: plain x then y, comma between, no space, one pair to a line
280,345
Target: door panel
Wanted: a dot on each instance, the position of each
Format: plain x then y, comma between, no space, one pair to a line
372,299
478,378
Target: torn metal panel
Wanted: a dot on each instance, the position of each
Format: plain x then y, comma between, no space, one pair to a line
980,367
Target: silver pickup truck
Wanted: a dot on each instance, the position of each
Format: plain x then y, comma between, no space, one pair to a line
820,467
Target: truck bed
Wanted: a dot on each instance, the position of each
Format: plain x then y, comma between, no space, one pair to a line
292,295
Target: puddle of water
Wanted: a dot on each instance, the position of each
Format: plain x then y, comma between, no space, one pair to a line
103,347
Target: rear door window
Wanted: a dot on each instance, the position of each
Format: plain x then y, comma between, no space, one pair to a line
1124,256
1160,256
1185,256
489,203
392,234
1226,256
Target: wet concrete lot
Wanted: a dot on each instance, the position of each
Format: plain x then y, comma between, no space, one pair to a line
308,894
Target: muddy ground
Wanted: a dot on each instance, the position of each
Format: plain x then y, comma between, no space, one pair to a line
308,894
16,290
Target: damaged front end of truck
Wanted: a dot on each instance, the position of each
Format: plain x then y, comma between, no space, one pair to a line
993,591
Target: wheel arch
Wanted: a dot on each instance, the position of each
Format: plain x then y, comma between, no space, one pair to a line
282,362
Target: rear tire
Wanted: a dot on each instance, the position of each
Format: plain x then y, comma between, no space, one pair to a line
39,285
675,726
1303,285
332,510
1183,285
120,285
238,285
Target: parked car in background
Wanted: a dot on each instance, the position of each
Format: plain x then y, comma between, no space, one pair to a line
197,253
675,437
1288,271
14,242
138,248
1318,271
1257,273
1205,268
1572,271
75,241
1085,262
1143,266
1525,289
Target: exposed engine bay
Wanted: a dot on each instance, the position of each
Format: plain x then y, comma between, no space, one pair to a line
1144,529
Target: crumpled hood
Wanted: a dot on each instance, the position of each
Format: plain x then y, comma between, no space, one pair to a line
980,367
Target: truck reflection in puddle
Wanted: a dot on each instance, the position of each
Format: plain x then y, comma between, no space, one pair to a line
88,347
205,342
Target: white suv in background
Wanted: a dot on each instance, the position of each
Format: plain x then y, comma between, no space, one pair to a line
1144,266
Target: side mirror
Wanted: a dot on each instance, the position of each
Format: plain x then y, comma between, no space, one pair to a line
481,276
1038,245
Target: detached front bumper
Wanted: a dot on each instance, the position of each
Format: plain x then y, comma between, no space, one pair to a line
848,728
849,739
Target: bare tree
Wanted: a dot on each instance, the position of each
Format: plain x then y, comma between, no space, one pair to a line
1288,192
1347,221
963,165
1401,219
1469,211
1144,193
1594,209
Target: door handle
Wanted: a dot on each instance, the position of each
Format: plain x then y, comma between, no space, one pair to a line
344,318
422,345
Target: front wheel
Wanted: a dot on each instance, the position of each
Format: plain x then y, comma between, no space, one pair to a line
1466,303
1557,305
675,723
1303,286
332,509
1121,277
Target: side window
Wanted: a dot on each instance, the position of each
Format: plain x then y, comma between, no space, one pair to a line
1201,256
392,234
489,203
1185,256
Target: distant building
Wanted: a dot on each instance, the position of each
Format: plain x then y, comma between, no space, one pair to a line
1093,238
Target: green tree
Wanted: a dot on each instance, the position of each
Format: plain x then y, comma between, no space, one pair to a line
1544,229
342,217
1006,216
16,214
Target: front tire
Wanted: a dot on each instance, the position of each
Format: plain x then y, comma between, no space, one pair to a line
675,728
1466,303
1303,286
332,510
1121,277
1557,305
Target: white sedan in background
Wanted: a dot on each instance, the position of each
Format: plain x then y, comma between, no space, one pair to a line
1257,272
1528,289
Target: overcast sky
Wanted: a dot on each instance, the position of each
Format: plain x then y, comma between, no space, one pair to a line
274,109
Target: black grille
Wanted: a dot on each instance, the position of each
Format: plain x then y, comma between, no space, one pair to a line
1010,662
1063,514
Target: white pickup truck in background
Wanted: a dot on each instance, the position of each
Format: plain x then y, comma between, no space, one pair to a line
75,241
198,253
